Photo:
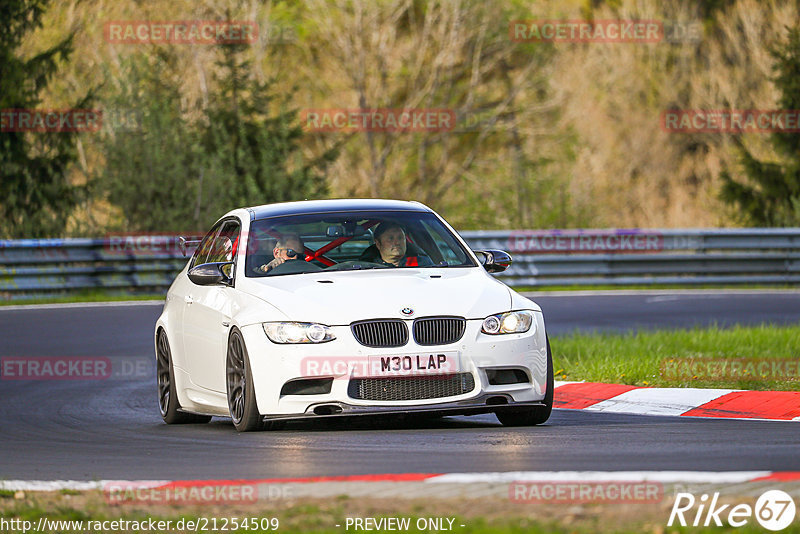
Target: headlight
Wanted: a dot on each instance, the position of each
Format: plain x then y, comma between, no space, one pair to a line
514,322
284,333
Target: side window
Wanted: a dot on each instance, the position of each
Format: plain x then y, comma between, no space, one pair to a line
224,245
448,248
219,244
201,254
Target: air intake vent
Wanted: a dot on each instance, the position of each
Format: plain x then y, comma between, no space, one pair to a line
307,386
380,333
438,330
410,388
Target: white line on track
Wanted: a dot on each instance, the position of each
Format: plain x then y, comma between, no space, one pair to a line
658,401
608,292
66,305
78,485
659,292
665,477
603,476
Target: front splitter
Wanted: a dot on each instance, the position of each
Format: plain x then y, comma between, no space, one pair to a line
467,407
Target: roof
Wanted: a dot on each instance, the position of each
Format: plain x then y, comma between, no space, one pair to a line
329,206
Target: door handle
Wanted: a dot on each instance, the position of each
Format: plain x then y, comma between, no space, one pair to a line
188,299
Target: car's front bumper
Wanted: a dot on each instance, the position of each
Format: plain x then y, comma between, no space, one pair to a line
273,365
483,404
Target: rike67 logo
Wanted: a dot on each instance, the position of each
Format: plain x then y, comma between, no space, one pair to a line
774,510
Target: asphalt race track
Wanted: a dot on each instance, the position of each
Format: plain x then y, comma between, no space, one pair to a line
664,309
111,429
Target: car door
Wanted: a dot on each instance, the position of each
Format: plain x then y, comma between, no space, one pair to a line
180,295
207,315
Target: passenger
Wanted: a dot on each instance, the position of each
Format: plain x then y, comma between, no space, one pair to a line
393,250
288,248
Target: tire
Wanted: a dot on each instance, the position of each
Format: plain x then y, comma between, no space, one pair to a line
537,414
240,391
168,403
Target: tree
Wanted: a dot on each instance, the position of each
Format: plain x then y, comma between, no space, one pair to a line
773,196
180,169
151,172
252,140
37,196
441,55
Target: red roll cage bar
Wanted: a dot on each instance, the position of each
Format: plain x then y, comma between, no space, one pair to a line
319,254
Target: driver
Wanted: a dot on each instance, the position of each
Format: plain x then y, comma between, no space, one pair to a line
390,240
288,248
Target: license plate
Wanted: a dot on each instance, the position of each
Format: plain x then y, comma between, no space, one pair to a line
433,363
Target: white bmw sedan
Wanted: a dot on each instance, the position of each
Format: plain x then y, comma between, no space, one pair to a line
325,309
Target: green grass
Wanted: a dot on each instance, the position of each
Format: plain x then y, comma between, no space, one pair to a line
304,518
611,287
664,357
489,515
301,519
85,296
104,295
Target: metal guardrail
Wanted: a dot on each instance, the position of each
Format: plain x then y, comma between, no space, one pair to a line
645,257
541,258
32,267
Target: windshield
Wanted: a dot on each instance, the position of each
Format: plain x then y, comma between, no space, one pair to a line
351,241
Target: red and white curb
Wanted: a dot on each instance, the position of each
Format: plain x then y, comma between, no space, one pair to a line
686,402
665,477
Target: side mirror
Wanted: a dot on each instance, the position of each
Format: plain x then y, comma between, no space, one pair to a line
209,274
183,242
495,261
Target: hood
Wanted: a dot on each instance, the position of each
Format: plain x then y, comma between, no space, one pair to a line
339,298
